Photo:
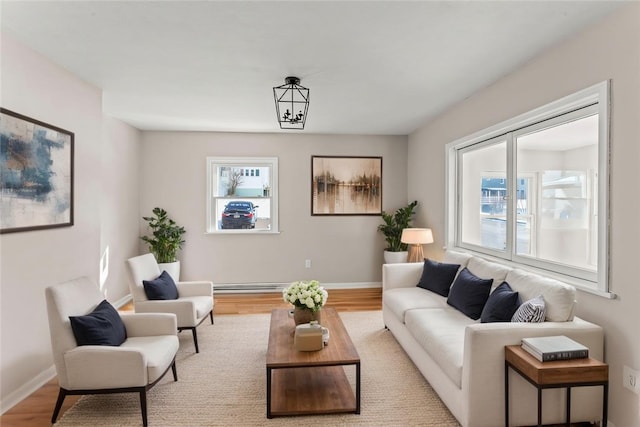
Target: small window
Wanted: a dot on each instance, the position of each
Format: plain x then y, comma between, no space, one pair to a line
242,194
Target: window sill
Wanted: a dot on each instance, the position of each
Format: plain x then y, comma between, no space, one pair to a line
240,231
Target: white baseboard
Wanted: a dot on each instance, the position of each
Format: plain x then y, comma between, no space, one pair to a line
23,392
122,301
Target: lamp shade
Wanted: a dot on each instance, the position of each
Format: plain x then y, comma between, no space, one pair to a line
417,236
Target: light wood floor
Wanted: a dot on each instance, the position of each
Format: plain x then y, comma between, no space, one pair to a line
36,410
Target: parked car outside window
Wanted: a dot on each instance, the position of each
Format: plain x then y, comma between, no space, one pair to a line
239,214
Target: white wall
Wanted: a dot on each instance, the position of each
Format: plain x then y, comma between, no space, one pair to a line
119,204
608,50
342,249
32,260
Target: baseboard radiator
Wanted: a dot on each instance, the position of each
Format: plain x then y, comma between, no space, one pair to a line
248,287
221,288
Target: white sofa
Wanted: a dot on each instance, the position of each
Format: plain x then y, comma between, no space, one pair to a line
463,359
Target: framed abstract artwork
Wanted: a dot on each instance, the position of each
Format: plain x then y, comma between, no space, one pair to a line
346,185
36,174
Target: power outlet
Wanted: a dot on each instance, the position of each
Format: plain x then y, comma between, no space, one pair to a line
307,263
631,379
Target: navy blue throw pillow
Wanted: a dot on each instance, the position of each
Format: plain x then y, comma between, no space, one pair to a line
103,326
501,305
469,293
161,288
438,276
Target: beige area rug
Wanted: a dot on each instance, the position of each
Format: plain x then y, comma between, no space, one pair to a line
225,384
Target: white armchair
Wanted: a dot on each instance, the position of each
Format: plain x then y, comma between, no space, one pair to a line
148,351
195,298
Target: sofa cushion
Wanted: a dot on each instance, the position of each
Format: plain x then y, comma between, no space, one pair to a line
161,288
501,305
438,276
440,332
103,326
558,296
469,293
453,257
488,270
531,311
399,300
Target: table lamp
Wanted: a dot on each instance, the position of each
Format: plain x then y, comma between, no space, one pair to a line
415,238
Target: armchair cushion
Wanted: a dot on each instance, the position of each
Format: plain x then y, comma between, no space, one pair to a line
103,326
163,287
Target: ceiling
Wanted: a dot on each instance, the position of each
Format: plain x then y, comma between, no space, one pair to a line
372,67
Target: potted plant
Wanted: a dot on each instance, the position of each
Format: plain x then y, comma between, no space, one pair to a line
307,299
396,251
165,241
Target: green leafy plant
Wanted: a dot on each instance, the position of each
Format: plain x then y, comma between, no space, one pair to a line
166,236
394,224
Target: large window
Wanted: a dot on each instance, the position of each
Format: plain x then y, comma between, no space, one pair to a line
242,194
532,190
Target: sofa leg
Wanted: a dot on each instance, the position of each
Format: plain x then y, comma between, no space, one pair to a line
211,316
61,395
174,370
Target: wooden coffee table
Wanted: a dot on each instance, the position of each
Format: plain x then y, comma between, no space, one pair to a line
310,382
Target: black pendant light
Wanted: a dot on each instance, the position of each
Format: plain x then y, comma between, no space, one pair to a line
292,103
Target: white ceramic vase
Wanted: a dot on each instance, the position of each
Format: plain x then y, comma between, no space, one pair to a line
395,257
173,268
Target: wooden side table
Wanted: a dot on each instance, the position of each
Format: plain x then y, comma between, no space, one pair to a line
555,374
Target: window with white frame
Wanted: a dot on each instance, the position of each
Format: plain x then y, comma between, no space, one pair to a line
533,190
242,194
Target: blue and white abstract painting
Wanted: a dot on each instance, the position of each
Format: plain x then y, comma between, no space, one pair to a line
36,174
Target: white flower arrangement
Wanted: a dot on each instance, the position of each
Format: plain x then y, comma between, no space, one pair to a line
307,295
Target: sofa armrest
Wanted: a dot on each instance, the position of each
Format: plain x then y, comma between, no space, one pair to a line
195,289
403,275
100,367
149,324
483,364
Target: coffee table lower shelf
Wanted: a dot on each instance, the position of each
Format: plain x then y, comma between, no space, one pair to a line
310,390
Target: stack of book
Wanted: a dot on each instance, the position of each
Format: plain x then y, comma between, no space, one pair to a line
558,347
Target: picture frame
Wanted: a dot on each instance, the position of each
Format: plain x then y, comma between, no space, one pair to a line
346,185
36,174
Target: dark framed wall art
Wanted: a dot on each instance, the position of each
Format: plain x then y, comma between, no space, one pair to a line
36,174
346,185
